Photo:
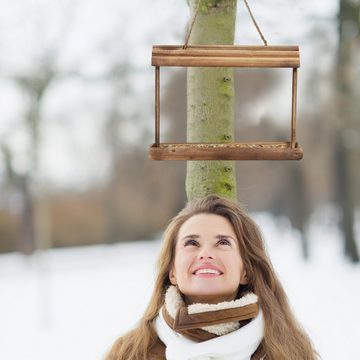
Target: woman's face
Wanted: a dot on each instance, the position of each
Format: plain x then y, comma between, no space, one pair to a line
208,267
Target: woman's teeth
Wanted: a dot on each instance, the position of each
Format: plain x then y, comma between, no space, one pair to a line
207,271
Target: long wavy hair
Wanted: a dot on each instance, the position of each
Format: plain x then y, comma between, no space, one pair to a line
284,338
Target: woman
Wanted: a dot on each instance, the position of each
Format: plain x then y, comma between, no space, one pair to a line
216,294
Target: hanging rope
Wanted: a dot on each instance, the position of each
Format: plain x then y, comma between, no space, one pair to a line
255,23
192,24
197,12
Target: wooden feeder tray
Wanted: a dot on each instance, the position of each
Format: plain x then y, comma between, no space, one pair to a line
226,56
226,151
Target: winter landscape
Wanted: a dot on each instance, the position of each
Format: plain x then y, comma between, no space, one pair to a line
72,303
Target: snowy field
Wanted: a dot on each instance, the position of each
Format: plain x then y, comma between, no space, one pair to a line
72,303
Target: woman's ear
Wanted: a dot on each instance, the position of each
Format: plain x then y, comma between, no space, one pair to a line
243,278
172,276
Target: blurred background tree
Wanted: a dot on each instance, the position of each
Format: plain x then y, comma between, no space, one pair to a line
347,138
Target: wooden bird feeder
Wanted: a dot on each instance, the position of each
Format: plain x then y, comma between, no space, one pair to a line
226,56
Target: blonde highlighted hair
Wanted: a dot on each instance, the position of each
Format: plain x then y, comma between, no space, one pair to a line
284,339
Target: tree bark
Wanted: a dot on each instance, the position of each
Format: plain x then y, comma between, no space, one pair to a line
210,100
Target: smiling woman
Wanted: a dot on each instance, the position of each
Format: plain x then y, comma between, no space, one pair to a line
216,294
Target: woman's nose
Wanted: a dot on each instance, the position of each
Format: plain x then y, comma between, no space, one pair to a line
206,253
206,257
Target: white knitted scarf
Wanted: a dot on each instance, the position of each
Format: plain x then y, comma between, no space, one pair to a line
239,344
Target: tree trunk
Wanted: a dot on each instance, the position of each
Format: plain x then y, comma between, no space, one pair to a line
26,242
112,228
348,117
210,101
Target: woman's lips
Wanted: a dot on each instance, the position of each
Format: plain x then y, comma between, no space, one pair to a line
207,271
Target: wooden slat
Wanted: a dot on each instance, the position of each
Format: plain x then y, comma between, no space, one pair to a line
293,108
227,56
228,47
226,151
225,53
157,105
225,62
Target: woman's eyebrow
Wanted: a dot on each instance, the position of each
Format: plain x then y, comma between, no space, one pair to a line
197,236
224,236
190,236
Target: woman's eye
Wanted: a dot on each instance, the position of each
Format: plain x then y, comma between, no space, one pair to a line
224,242
191,242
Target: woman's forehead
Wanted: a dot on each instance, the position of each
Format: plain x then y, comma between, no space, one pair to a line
206,223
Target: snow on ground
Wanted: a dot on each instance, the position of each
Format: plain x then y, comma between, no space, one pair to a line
72,303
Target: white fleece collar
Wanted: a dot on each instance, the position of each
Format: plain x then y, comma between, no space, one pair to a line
174,300
237,345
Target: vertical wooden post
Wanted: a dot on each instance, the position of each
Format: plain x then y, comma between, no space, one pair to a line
157,106
293,108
